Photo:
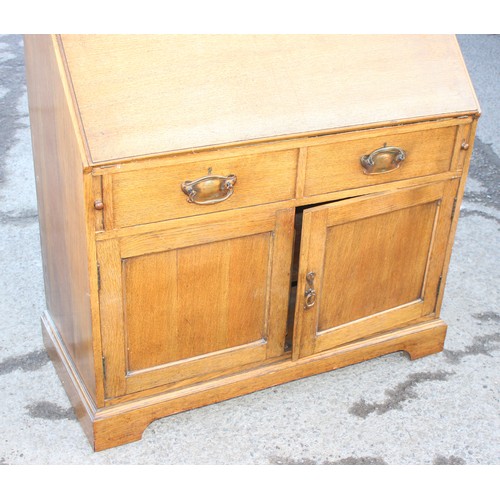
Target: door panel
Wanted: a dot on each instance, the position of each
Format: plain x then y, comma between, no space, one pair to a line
376,262
207,305
370,255
196,294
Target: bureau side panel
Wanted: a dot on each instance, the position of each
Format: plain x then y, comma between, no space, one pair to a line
59,159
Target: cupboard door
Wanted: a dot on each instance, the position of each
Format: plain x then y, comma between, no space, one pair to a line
204,295
370,264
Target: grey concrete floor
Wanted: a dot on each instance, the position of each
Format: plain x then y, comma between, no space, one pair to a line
442,409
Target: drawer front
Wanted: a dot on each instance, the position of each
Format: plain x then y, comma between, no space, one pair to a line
337,166
153,195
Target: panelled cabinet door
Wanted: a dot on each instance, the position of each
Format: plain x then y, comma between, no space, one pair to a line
369,264
204,295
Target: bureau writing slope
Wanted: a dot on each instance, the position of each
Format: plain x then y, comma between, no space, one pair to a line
221,214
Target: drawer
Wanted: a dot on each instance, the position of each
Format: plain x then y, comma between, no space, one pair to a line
336,166
152,195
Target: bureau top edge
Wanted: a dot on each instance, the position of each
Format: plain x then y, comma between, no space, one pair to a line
140,96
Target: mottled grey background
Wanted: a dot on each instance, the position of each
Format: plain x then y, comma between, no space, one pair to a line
442,409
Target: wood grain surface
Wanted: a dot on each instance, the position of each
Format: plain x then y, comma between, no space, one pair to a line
337,166
141,94
62,209
155,194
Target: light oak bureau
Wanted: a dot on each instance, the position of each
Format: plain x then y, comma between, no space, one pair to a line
223,213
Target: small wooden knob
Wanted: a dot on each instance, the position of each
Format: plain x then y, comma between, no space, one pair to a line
465,145
98,204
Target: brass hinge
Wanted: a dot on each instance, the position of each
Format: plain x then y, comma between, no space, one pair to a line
103,367
454,207
439,286
98,277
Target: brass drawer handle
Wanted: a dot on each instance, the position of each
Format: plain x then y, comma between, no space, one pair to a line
310,293
383,160
209,189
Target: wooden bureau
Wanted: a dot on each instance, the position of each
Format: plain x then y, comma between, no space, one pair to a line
223,213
